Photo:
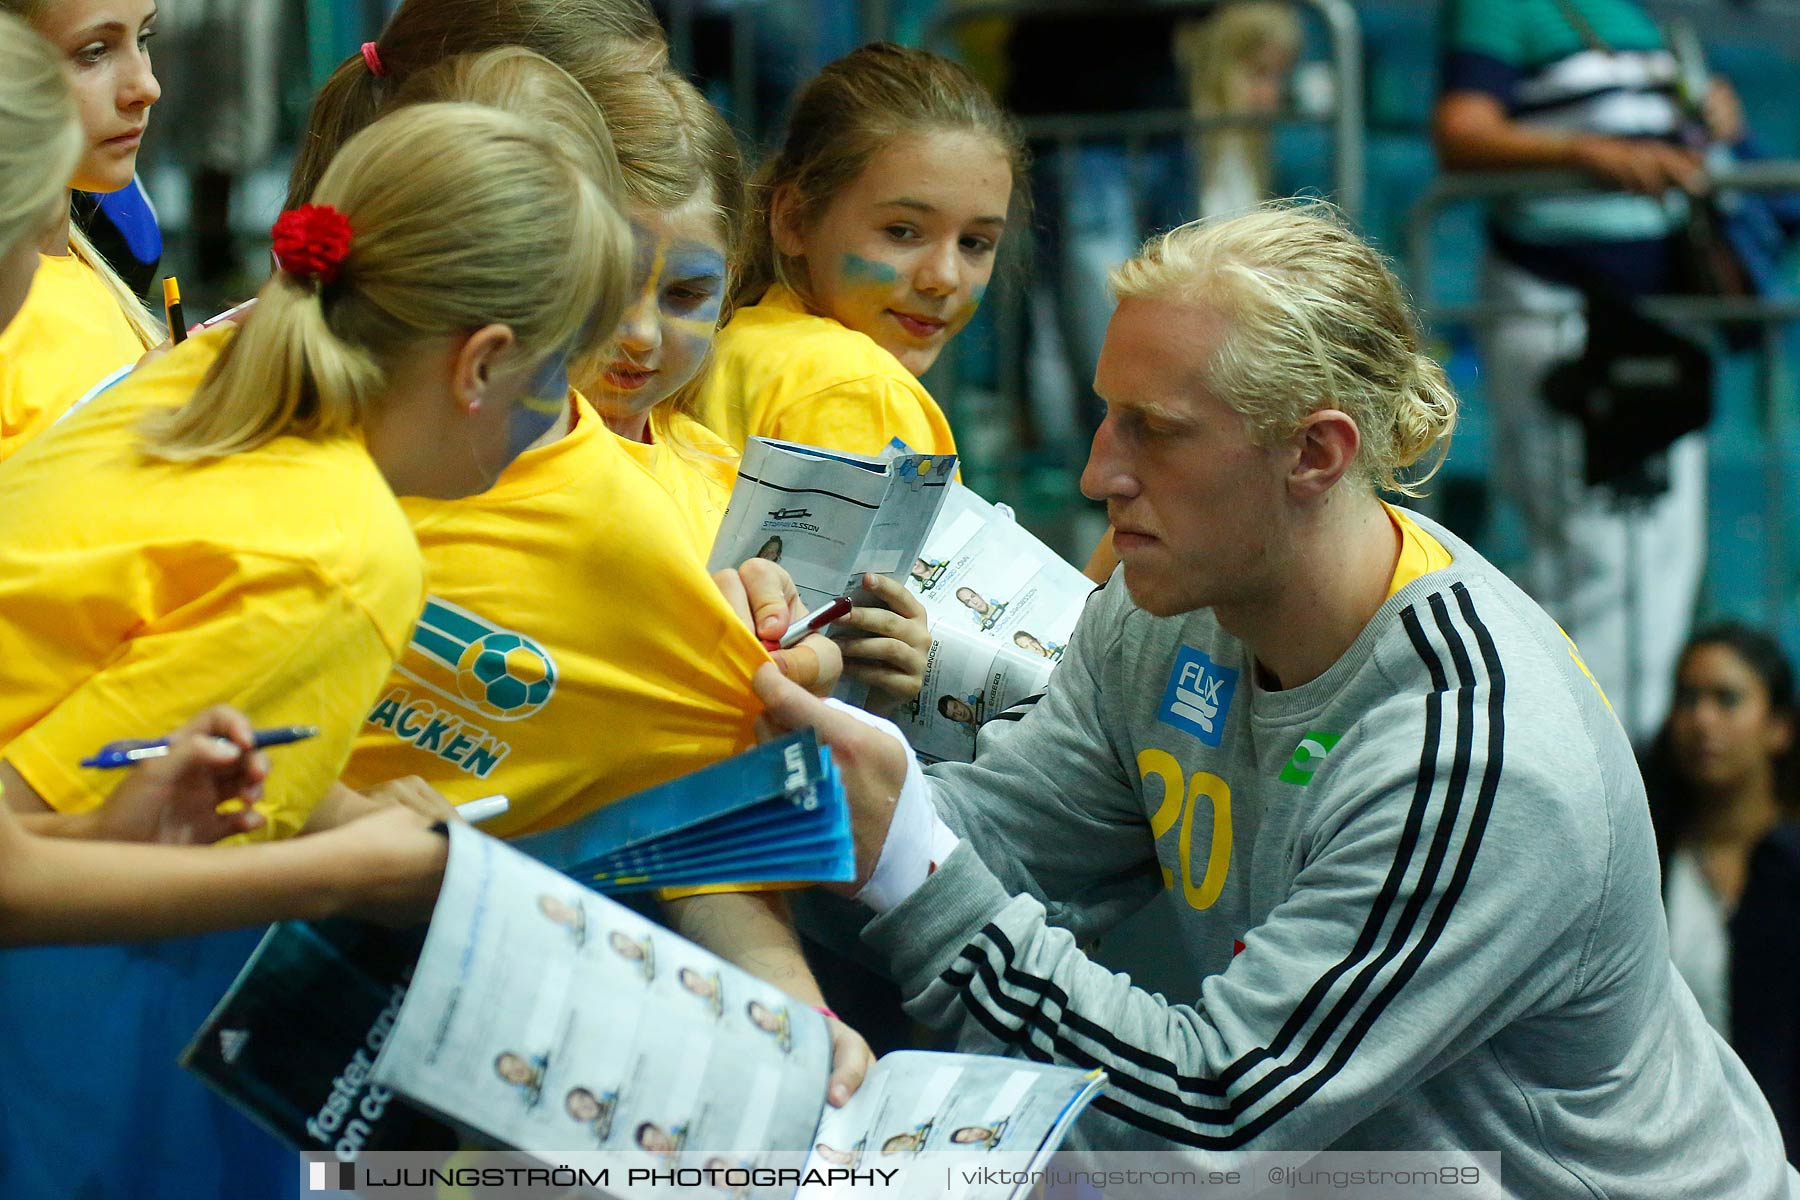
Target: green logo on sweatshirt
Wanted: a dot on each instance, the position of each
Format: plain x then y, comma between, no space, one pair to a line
1307,756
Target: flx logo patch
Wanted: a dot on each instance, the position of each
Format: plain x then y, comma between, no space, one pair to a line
1198,696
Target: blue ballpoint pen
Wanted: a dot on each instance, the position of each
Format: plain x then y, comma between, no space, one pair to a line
128,753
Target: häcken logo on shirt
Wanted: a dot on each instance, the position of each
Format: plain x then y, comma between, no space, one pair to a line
1198,696
477,666
502,675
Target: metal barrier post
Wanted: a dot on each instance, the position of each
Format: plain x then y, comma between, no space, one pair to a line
1347,62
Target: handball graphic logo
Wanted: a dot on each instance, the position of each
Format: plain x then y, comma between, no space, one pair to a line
504,674
495,671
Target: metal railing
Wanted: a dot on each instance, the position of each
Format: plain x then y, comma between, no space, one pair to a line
1040,479
1488,186
1342,30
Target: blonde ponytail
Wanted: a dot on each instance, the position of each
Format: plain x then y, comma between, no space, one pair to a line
40,134
1424,418
1316,319
149,331
462,216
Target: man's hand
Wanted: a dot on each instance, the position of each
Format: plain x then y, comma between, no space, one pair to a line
175,799
851,1059
341,805
763,595
892,656
1651,168
871,762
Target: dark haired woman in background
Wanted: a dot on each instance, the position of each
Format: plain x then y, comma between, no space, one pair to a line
1722,778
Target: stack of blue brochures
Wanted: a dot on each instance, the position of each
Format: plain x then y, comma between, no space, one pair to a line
774,813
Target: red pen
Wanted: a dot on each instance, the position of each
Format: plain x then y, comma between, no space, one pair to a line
814,621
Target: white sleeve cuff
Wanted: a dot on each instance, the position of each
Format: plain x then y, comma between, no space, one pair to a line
917,837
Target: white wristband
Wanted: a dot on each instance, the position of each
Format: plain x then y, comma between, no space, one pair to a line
917,837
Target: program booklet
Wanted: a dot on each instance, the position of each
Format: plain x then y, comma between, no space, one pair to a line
774,813
1002,605
537,1016
830,517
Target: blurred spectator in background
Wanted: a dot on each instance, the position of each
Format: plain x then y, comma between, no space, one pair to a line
1721,776
1588,85
1238,62
1097,200
222,101
1134,67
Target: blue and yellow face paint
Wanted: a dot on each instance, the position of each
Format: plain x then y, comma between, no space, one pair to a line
540,407
858,270
678,290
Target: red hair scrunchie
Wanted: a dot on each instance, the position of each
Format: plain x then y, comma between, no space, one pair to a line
312,242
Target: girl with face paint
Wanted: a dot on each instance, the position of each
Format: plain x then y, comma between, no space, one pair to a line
875,236
578,570
686,203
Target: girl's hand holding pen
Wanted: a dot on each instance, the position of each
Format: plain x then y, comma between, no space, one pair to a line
763,595
212,761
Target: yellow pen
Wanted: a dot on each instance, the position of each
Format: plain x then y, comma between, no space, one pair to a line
172,310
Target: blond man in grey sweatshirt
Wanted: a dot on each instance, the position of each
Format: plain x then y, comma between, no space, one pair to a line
1405,832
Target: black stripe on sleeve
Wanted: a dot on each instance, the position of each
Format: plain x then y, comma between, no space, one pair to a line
1052,1032
1017,711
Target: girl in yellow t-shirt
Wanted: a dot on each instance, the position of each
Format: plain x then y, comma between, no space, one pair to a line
655,656
685,200
80,322
222,527
61,887
874,237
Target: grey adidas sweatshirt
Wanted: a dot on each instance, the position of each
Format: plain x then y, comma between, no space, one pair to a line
1422,890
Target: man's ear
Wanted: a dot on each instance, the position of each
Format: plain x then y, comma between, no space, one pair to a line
1325,447
477,360
785,225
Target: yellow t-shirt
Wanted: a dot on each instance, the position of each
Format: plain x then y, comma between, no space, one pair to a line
134,593
68,336
573,649
1420,553
778,371
695,466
